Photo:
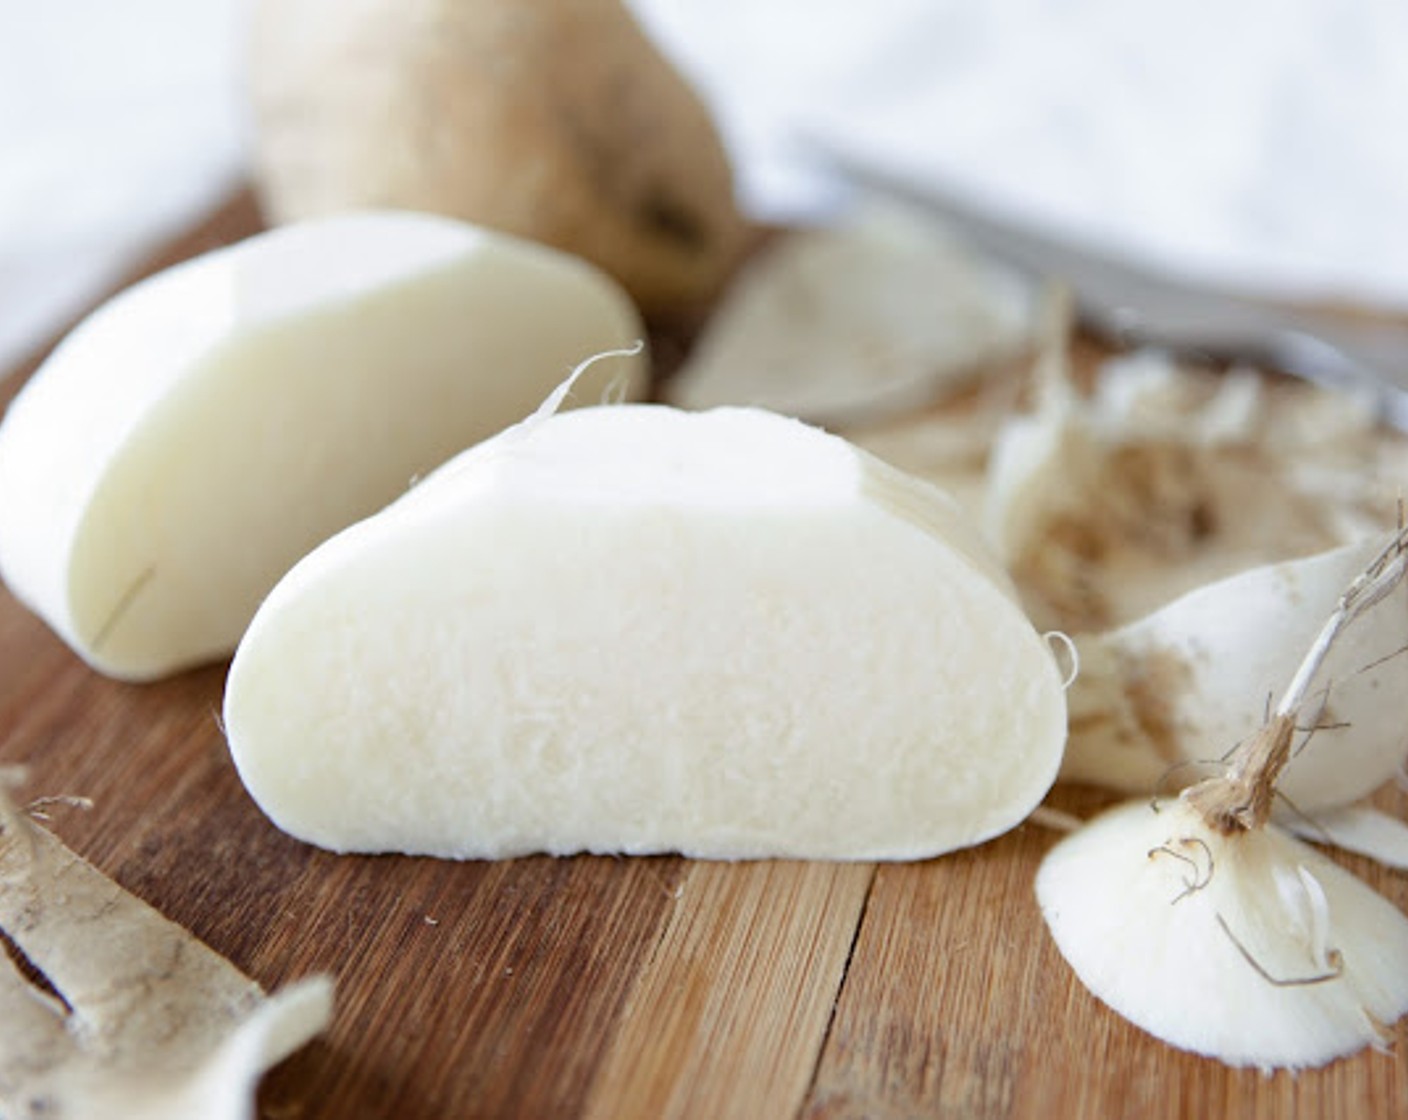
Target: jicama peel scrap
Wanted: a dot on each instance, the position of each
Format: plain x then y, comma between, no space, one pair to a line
874,315
1207,925
636,629
1110,505
1362,829
1181,686
202,430
150,1023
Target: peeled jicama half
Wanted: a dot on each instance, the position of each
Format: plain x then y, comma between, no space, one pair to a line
201,431
1252,948
635,629
1190,681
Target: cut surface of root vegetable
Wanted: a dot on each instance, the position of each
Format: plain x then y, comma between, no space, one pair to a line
878,314
201,431
635,629
1158,702
1209,926
147,1020
1251,948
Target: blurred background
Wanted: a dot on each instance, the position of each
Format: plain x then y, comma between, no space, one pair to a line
1256,143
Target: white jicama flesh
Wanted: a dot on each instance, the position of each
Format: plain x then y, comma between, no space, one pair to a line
202,430
1252,948
1188,682
635,629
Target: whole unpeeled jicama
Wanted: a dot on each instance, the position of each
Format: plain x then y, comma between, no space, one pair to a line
635,629
556,120
202,430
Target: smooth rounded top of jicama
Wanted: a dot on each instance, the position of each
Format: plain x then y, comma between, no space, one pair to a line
644,454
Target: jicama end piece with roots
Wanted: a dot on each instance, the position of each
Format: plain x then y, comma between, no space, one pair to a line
635,629
1252,948
202,430
1214,929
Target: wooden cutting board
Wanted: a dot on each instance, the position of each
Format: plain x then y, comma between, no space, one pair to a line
616,988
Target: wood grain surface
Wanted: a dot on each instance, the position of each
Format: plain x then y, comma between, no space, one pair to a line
616,988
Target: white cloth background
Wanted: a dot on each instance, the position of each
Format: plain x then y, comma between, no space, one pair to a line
120,123
1259,142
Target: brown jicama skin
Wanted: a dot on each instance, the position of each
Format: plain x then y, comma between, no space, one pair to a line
150,1023
555,120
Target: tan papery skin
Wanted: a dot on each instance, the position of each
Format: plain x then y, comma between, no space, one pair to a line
142,1019
558,121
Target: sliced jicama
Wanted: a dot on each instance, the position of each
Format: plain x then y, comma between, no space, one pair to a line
202,430
635,629
1190,681
1252,948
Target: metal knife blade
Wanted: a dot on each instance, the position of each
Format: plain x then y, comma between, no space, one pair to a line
1130,303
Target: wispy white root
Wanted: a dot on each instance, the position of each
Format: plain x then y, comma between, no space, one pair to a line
1059,639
